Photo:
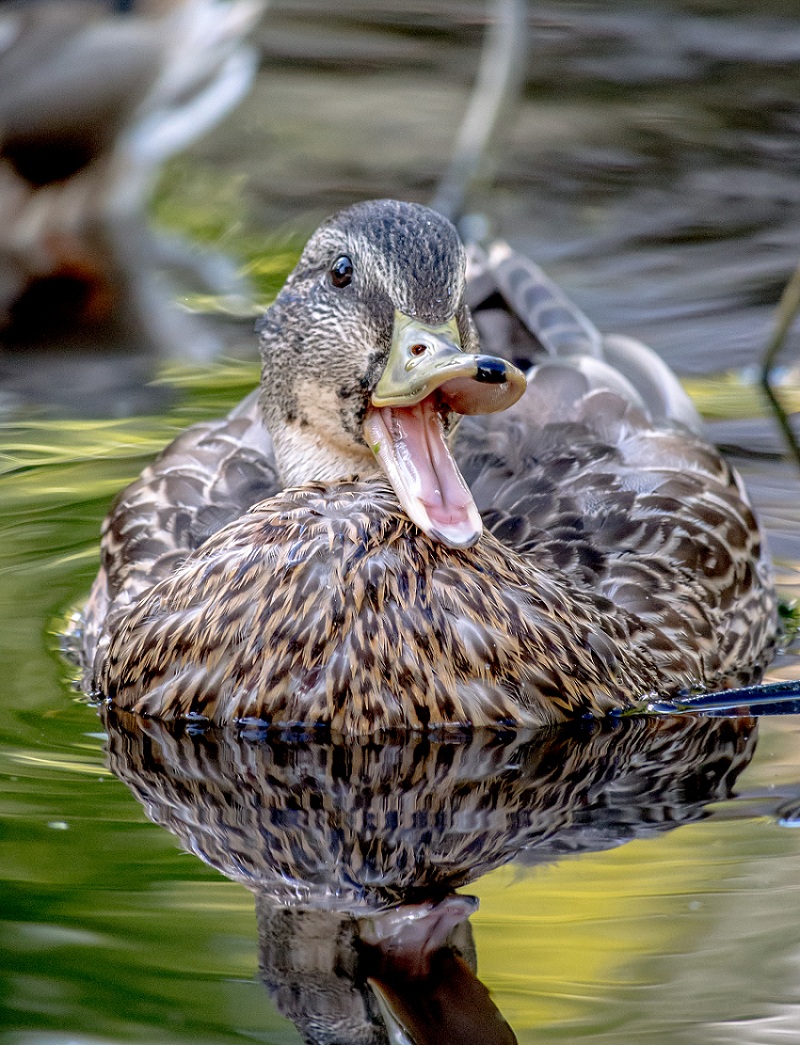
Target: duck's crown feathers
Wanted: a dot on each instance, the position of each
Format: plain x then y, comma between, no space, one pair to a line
411,250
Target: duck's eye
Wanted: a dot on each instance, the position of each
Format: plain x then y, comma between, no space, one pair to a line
342,272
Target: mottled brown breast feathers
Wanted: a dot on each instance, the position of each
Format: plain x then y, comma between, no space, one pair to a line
325,605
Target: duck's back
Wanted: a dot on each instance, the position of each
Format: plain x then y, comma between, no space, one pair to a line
620,485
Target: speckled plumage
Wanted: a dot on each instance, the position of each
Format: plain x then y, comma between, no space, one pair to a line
620,557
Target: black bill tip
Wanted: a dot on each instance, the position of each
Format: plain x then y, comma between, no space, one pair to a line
490,371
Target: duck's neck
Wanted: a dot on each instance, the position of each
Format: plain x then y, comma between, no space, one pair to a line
316,449
304,456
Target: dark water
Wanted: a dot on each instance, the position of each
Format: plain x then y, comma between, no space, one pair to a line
633,881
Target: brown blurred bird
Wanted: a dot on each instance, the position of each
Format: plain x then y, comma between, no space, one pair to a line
94,97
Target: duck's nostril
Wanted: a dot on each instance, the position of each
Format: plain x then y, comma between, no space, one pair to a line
418,349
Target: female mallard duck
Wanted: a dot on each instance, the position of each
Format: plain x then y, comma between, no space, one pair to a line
323,555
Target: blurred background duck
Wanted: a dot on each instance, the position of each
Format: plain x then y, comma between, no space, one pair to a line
94,97
335,552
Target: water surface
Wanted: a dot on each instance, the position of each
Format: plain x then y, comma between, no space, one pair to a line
631,883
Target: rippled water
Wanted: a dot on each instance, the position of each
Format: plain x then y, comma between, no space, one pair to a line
632,881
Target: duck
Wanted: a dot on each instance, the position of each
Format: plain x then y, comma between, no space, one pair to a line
408,525
95,96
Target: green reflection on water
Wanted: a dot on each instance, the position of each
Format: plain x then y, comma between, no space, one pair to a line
661,937
108,928
108,932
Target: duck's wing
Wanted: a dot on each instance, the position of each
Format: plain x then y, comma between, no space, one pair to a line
597,409
207,477
211,474
601,471
587,394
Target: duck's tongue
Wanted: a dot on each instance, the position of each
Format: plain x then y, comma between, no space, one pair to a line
410,445
426,368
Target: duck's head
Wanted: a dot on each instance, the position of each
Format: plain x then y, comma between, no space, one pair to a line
370,357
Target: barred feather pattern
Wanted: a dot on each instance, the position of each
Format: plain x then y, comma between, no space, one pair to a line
612,570
325,605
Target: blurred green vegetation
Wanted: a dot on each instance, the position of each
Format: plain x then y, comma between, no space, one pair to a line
209,207
733,396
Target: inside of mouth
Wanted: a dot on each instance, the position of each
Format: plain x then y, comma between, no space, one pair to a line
410,444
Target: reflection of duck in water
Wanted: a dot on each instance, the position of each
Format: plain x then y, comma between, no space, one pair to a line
353,849
604,553
345,978
94,97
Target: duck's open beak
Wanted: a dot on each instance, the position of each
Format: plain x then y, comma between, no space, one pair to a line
426,375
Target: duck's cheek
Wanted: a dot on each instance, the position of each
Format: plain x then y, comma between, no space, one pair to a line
410,446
